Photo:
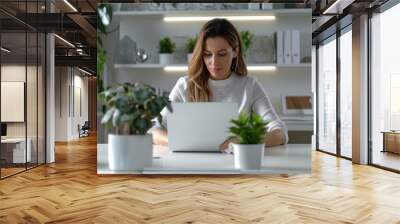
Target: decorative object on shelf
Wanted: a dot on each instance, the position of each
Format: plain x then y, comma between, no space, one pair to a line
167,47
254,6
171,6
208,6
154,6
142,56
227,6
180,54
126,51
306,59
190,44
130,110
247,38
266,6
262,50
250,131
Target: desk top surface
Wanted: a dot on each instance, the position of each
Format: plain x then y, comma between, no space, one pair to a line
287,159
13,140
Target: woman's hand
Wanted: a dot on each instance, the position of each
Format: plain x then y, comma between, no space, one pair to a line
225,145
275,137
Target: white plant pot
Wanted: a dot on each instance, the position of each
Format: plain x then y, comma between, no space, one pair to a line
248,157
166,59
129,152
189,57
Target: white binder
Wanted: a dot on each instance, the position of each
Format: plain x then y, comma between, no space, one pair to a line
279,47
287,48
295,47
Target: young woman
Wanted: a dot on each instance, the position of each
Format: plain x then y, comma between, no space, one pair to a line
218,73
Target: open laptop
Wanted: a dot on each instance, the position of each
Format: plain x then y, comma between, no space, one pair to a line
199,126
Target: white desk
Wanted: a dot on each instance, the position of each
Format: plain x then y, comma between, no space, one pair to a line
19,149
289,159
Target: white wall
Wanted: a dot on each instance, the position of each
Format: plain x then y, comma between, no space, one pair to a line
69,79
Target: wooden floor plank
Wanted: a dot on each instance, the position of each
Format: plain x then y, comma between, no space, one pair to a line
70,191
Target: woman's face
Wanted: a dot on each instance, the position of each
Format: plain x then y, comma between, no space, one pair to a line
218,55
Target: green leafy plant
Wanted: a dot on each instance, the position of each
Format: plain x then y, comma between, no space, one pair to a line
167,46
190,44
248,129
131,108
104,17
247,39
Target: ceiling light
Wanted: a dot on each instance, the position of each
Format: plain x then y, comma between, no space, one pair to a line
70,5
250,68
64,40
207,18
5,50
84,71
335,7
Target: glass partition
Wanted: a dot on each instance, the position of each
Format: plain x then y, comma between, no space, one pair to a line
22,88
13,94
346,93
385,89
327,95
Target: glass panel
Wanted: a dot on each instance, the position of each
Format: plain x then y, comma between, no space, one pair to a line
346,94
31,97
327,96
41,99
13,87
385,83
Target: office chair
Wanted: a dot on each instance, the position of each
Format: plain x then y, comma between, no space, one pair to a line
84,130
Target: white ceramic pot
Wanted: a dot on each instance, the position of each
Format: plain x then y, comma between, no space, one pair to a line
189,57
129,152
166,59
248,157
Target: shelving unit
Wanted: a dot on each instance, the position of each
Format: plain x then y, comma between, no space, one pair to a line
159,66
276,12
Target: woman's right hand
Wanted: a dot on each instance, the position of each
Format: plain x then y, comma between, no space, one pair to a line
225,145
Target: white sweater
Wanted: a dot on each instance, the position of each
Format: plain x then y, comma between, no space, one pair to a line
246,91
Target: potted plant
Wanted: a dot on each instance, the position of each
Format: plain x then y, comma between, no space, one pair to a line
130,109
190,44
247,38
250,131
167,47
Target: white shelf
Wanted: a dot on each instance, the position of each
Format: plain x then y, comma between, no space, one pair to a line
276,12
158,66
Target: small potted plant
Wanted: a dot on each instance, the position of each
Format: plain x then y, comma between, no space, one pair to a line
167,47
130,109
247,39
190,44
250,132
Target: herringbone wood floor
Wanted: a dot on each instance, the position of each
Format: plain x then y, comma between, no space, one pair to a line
70,191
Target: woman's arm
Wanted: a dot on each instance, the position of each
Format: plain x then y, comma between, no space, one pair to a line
160,136
276,129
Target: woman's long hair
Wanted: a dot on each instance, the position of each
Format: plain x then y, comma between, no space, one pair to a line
198,90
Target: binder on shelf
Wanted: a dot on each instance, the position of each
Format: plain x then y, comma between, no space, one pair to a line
295,47
287,48
279,47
